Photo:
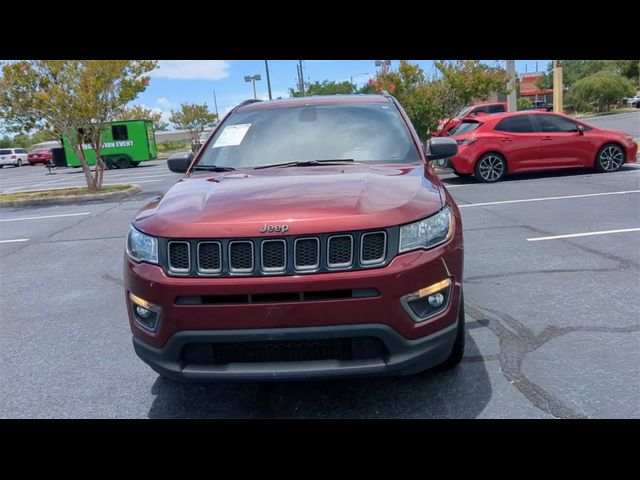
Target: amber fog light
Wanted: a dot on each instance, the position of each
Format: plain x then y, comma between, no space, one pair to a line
427,302
145,313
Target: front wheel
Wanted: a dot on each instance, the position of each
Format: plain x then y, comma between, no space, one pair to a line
19,163
490,167
610,158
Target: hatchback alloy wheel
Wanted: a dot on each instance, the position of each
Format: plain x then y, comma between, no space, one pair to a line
611,158
490,168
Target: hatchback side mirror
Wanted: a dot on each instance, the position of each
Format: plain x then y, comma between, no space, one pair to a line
179,163
439,148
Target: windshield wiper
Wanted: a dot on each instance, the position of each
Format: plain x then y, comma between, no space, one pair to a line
213,168
308,163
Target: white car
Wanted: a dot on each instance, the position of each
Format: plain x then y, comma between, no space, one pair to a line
633,100
13,156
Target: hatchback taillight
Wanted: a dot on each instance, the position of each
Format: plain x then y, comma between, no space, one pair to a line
13,156
467,141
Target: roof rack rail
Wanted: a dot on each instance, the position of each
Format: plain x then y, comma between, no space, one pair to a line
247,102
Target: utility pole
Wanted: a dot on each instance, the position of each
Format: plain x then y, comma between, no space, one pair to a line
266,66
557,87
301,77
512,98
215,102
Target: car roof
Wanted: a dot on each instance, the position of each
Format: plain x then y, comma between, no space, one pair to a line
316,100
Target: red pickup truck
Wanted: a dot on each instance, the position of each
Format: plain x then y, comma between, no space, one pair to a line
308,238
446,124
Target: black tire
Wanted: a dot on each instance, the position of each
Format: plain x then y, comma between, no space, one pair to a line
610,158
1,166
124,162
135,164
490,168
19,163
458,345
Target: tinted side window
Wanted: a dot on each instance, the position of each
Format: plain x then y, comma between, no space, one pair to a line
120,132
551,124
5,152
21,150
496,109
517,124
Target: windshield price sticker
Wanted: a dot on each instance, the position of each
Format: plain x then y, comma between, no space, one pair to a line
232,135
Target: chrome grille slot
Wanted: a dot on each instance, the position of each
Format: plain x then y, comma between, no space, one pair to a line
340,251
209,257
179,255
373,248
274,256
241,257
306,254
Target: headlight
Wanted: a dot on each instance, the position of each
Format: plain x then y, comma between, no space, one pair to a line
426,233
141,247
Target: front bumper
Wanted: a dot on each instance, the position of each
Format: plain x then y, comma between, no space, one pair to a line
403,357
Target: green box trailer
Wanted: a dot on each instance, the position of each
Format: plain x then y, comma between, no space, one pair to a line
126,143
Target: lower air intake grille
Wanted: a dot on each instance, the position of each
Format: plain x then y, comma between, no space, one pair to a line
284,351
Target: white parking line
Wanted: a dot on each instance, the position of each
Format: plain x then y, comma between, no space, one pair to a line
14,241
82,185
587,234
542,199
45,216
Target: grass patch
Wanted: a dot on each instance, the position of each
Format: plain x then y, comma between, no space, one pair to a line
59,193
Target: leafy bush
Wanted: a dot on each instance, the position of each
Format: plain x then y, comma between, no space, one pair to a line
524,104
600,90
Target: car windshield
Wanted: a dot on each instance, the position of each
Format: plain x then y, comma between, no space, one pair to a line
308,133
463,112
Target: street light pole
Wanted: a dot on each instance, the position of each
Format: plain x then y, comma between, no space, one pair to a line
266,66
253,78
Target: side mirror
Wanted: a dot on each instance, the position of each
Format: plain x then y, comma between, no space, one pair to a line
179,162
580,130
439,148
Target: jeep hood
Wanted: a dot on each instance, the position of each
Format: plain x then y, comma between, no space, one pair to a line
309,200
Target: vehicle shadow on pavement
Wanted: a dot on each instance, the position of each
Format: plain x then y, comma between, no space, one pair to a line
572,172
461,393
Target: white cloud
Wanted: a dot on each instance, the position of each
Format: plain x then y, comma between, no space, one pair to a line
192,69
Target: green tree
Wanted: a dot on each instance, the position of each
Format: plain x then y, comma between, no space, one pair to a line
574,70
138,112
524,103
601,90
459,83
326,88
6,141
77,98
193,117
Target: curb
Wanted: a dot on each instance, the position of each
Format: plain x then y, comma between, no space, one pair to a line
79,199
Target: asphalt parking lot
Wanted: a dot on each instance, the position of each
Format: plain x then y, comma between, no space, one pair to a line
552,311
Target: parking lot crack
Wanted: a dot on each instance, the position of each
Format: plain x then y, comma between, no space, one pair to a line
515,343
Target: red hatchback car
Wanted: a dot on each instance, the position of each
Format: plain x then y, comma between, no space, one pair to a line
492,146
40,155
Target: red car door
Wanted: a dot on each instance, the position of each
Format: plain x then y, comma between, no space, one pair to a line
518,139
563,145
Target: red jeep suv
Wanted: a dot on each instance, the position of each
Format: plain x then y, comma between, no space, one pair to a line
309,238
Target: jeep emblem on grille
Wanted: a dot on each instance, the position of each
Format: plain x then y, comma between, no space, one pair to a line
266,228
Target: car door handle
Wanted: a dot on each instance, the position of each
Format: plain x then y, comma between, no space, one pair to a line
506,140
547,138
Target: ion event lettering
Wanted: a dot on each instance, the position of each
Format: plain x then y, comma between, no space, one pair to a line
119,143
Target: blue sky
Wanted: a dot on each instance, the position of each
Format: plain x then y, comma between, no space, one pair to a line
179,81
